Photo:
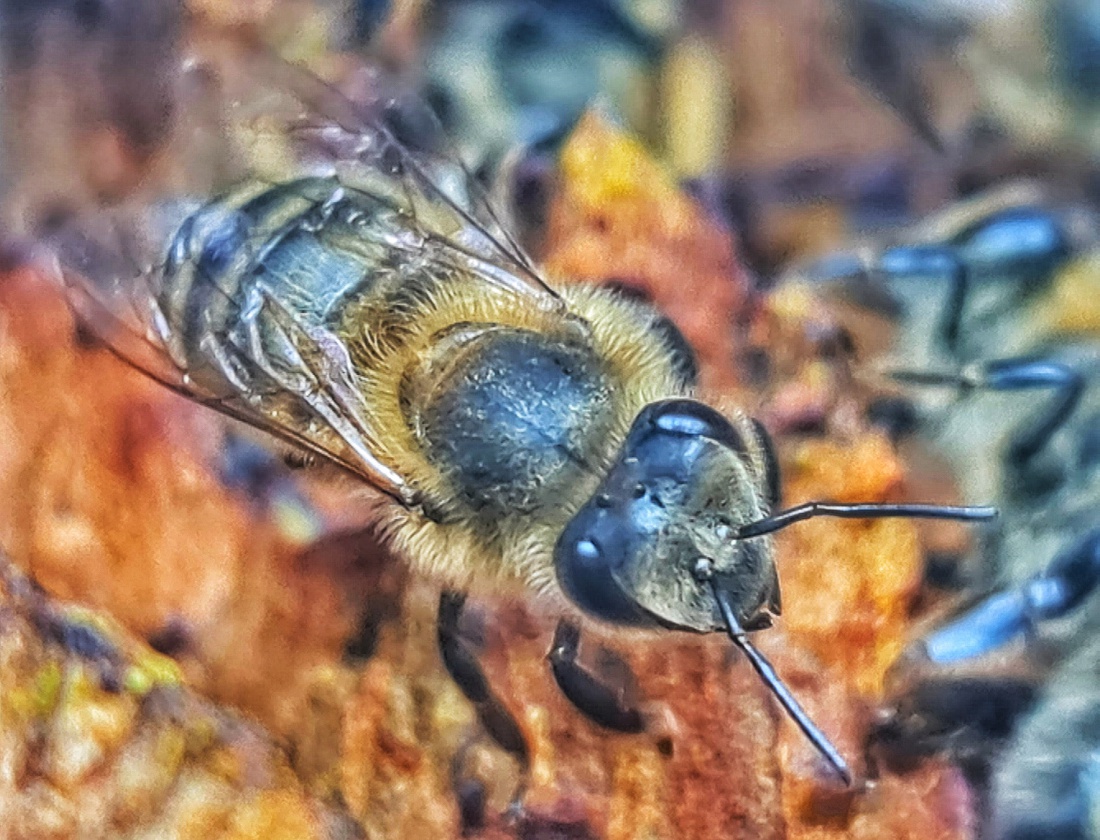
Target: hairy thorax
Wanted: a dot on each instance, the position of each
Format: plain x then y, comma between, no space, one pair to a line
508,419
513,418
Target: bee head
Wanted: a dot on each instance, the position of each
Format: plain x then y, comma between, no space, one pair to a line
683,484
676,536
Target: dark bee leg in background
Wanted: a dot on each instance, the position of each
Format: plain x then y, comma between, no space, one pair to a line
951,322
465,670
1071,577
933,261
1026,244
1016,374
970,713
597,700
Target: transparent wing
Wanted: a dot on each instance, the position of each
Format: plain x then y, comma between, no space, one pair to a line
258,119
393,146
303,394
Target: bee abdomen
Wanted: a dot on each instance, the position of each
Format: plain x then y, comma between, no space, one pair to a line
308,245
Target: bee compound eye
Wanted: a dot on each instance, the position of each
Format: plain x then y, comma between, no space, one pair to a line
585,557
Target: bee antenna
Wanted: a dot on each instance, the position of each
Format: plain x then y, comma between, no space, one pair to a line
783,518
821,742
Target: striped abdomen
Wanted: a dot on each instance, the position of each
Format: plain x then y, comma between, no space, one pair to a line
306,246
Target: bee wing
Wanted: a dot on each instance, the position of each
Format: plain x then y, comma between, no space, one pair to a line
289,378
393,146
307,398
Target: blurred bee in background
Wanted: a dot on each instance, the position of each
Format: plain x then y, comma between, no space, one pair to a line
1045,783
537,67
990,300
896,48
502,75
1030,69
356,296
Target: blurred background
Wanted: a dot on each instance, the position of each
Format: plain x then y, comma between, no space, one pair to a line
875,221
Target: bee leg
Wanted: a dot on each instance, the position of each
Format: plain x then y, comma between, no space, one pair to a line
1024,245
1015,374
903,263
1071,577
949,707
468,675
919,261
598,701
1020,373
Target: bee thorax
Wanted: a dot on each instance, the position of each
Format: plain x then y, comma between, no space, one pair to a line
510,417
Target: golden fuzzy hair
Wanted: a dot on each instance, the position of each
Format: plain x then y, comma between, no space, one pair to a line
640,368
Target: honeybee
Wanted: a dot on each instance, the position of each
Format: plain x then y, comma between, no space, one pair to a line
522,437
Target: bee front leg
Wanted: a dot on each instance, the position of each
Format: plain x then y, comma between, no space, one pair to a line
467,673
601,703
